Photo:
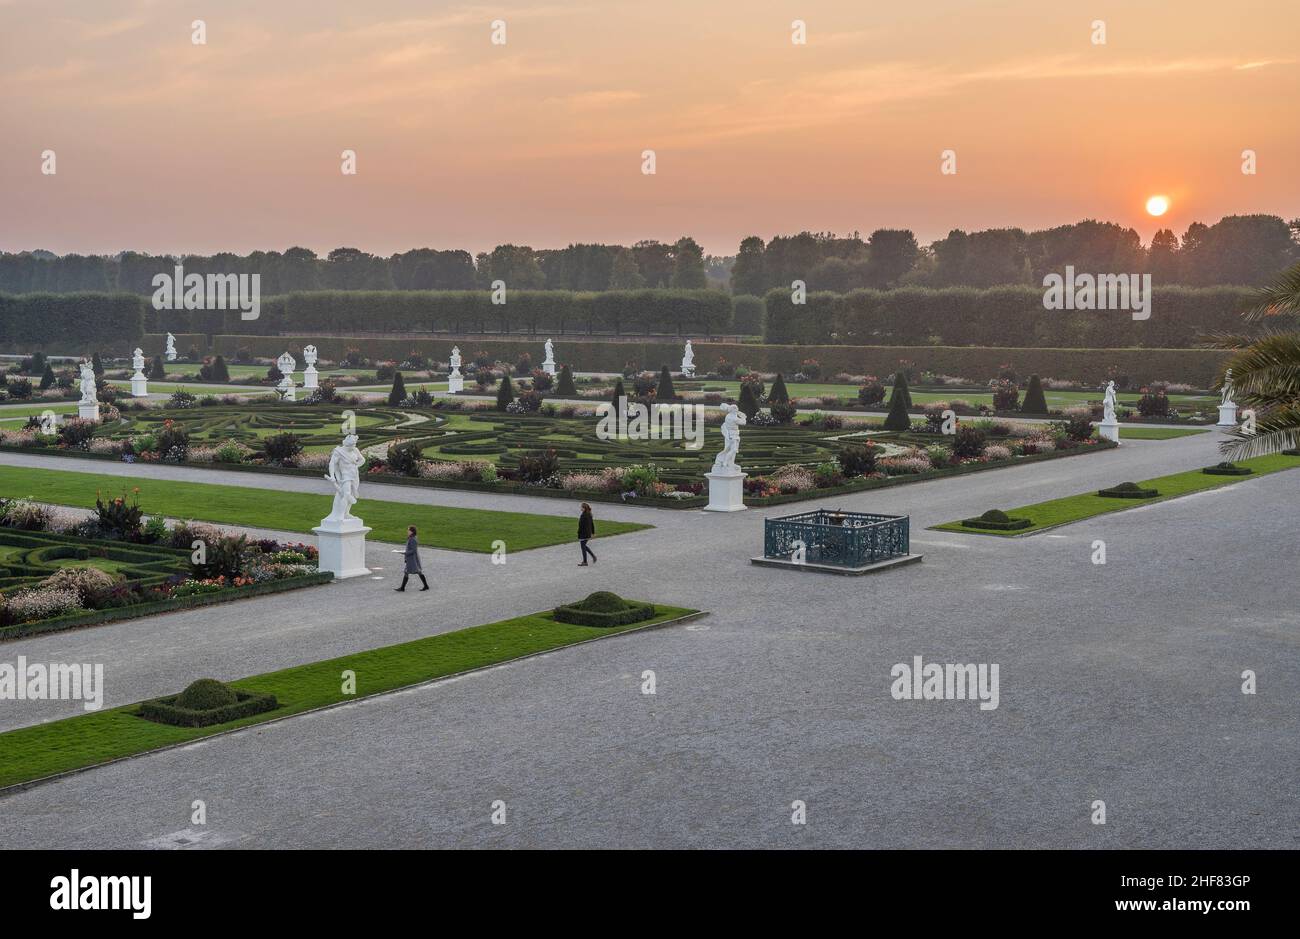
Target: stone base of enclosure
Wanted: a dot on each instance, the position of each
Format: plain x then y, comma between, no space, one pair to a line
833,569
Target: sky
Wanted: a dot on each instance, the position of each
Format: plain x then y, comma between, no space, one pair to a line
168,146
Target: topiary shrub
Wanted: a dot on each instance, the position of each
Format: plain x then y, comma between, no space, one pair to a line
748,401
778,392
898,419
665,392
1127,491
1227,468
901,390
505,393
997,520
603,608
565,386
397,394
1035,401
157,370
204,703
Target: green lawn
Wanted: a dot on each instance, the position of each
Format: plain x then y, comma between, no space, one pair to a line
1076,508
77,742
440,527
1158,433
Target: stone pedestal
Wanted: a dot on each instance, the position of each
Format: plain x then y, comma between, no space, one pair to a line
139,386
726,491
455,382
1108,430
289,390
549,367
342,547
1228,415
171,356
88,412
309,377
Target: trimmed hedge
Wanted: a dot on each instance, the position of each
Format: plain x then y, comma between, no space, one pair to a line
603,608
1227,469
169,711
1196,367
71,323
1128,491
999,315
997,520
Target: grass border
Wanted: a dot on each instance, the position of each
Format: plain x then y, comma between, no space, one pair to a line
672,616
1094,505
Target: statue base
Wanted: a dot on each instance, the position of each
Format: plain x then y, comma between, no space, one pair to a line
288,392
688,372
549,367
309,377
1108,431
88,412
455,383
171,356
140,387
726,491
1227,415
342,547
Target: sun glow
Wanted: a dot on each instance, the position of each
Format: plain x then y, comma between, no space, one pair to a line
1157,205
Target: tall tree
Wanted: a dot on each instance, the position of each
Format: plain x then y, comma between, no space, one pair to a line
748,274
688,265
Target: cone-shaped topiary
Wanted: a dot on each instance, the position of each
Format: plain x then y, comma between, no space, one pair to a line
220,371
47,377
564,386
748,402
614,398
157,371
778,394
38,364
897,418
900,391
97,365
398,394
505,393
206,694
1035,401
666,391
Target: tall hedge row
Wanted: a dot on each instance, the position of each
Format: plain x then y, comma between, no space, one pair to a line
999,316
1191,366
70,323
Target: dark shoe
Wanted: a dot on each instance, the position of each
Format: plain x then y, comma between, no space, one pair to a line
400,589
583,564
423,589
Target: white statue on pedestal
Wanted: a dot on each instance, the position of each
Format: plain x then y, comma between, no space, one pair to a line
725,461
170,351
345,474
287,365
1109,426
1227,407
548,364
688,361
309,373
88,393
139,381
455,381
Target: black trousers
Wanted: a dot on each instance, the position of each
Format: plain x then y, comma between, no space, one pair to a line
406,577
586,551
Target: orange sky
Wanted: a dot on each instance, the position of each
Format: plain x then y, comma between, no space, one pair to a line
165,146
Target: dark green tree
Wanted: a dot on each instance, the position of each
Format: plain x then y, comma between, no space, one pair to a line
157,370
564,386
398,394
1035,401
897,418
748,401
778,394
900,391
97,365
220,372
666,391
47,377
38,365
505,392
614,398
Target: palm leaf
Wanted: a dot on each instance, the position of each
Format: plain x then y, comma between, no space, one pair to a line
1278,430
1280,298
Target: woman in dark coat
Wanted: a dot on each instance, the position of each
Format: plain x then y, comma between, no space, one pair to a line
586,531
412,558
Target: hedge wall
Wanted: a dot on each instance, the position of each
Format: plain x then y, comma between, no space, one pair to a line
1000,316
1191,366
71,323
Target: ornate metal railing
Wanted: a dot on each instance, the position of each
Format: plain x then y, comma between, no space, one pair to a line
840,539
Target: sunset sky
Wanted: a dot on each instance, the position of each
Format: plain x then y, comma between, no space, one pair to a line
167,146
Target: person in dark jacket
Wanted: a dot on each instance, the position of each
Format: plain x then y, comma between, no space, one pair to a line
412,558
586,531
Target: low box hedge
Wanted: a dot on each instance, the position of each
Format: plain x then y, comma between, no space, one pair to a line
166,711
1128,491
996,520
604,609
1227,469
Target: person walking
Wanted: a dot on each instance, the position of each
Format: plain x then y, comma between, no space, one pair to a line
586,531
412,558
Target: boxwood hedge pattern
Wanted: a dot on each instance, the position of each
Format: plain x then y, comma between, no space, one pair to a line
29,557
166,711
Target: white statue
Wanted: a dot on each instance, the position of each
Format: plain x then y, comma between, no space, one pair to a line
1108,404
309,373
1227,390
139,381
88,395
688,361
345,474
455,359
455,381
287,365
137,361
170,351
731,424
309,355
548,364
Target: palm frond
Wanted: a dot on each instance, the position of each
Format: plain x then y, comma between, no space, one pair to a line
1269,366
1279,430
1280,298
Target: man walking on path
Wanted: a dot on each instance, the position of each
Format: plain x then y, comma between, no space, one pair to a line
586,531
412,558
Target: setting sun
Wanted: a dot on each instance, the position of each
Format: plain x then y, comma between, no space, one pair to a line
1157,205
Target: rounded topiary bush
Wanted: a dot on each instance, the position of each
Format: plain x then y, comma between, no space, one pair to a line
602,601
995,515
205,695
